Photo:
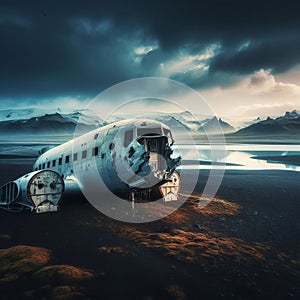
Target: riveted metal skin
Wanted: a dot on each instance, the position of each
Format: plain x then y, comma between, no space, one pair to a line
132,157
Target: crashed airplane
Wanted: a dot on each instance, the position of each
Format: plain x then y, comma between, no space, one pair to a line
133,158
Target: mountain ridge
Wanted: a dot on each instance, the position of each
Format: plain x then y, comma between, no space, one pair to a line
33,120
49,123
286,124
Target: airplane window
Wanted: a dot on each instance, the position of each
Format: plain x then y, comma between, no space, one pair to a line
95,151
43,167
36,169
84,153
75,156
39,167
48,164
102,155
148,131
60,161
67,159
128,137
111,146
53,163
96,136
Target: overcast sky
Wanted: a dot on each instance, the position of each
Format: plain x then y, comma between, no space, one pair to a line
242,56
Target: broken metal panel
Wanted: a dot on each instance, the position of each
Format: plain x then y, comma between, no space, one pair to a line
170,189
143,163
8,195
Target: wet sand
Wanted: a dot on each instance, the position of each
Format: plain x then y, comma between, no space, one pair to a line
244,245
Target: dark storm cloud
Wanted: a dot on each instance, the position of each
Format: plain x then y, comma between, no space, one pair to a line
68,48
276,54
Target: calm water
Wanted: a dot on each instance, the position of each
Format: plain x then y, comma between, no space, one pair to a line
237,156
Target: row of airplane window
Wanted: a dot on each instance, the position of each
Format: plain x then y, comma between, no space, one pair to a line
49,164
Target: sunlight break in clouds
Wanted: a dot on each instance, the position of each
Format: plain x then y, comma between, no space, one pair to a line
185,62
264,82
259,94
244,46
141,51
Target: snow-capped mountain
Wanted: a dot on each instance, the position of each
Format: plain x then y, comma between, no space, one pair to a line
213,125
295,114
171,120
240,123
22,114
186,121
289,124
33,120
83,116
192,121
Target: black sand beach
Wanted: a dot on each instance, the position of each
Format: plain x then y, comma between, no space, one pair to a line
244,245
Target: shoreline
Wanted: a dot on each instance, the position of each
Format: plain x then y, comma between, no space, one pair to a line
283,159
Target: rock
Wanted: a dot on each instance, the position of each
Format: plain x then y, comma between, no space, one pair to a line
62,274
67,292
61,292
110,250
19,260
176,292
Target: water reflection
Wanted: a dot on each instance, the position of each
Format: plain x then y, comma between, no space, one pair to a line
240,157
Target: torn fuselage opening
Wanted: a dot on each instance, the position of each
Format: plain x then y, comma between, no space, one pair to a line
155,154
141,160
156,166
149,157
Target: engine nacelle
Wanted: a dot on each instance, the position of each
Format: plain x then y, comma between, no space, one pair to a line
39,191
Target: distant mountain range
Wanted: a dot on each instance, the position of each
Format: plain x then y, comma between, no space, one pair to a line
287,124
214,125
293,115
79,115
34,121
185,121
43,121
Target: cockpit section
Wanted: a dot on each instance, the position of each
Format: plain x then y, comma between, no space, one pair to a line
143,160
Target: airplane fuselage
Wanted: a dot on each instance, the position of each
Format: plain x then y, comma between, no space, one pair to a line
131,155
132,159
